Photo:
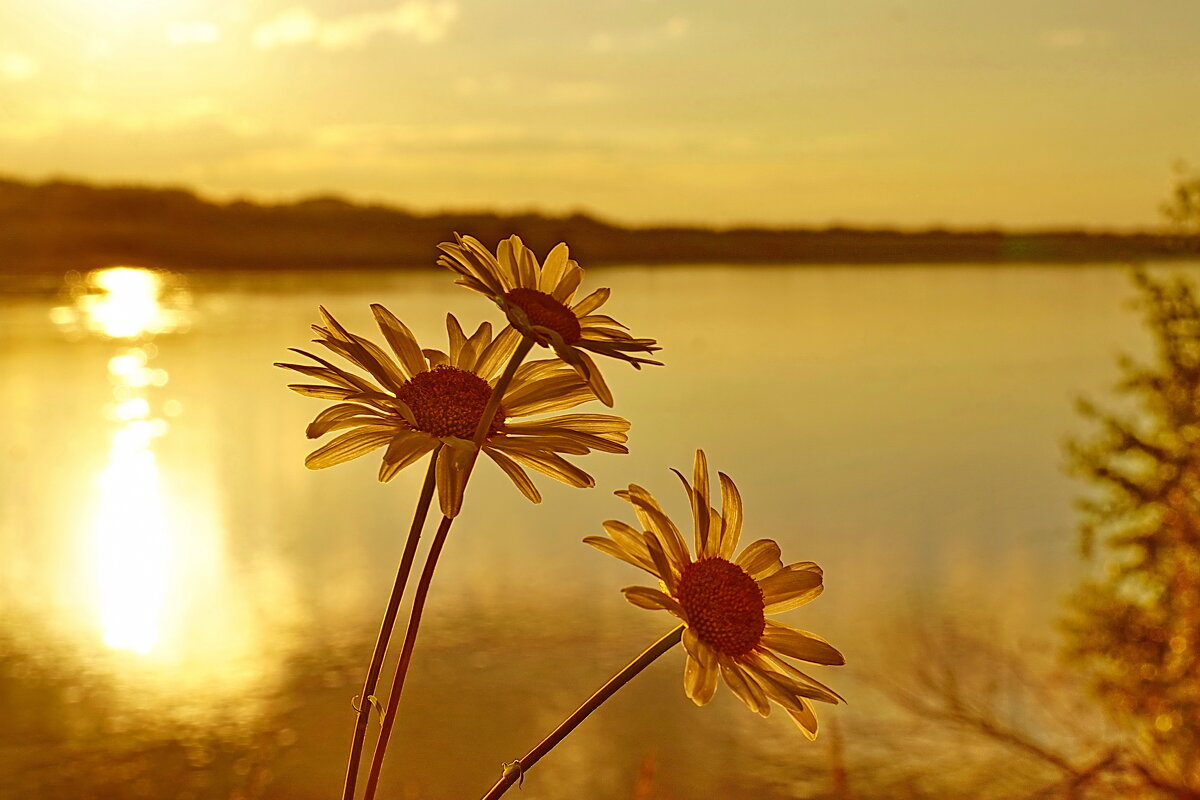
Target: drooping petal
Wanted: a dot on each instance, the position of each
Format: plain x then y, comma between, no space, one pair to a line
514,471
587,370
545,462
403,451
700,680
798,683
744,687
451,478
800,644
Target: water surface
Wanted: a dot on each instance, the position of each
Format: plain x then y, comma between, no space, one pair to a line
185,610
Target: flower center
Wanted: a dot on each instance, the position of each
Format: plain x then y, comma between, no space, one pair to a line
448,401
546,312
724,605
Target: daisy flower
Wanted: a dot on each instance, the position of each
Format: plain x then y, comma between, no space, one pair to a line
537,301
723,600
418,401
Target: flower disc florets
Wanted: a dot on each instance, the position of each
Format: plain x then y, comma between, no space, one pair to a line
447,401
546,312
724,605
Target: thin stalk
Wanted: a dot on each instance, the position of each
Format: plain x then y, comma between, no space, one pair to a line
517,769
435,550
385,629
410,641
493,404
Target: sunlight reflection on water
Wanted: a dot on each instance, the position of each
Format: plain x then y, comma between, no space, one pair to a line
184,583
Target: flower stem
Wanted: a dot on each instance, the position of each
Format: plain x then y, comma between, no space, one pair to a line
410,641
385,629
510,369
526,762
435,550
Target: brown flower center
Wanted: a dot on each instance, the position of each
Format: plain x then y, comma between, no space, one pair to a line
448,401
546,312
724,605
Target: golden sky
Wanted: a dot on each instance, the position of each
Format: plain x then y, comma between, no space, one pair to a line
950,112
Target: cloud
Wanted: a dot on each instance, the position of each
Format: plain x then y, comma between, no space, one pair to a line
17,66
192,33
1071,38
425,21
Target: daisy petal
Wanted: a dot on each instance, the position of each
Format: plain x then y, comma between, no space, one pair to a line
700,505
451,479
616,551
700,680
652,599
744,687
731,517
553,269
590,303
760,558
565,290
518,476
800,644
349,446
403,451
791,587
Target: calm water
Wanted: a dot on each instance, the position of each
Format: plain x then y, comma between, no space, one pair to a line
185,610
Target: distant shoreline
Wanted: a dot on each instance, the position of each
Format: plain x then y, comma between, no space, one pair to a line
52,227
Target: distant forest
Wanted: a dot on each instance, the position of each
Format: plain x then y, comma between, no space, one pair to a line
48,228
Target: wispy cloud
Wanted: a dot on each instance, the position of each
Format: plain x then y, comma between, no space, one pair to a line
425,21
1072,38
16,66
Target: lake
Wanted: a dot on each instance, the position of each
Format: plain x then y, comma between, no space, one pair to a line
186,611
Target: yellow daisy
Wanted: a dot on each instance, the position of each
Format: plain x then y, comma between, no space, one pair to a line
537,301
723,600
422,401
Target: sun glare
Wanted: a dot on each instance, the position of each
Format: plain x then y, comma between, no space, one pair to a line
133,540
127,304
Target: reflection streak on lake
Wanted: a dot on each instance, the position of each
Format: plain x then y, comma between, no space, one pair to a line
901,427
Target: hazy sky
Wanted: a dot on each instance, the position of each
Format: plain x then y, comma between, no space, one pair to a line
957,112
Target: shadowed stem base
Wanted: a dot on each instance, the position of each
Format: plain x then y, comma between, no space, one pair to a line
518,768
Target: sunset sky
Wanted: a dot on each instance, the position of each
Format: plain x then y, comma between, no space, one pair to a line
1026,113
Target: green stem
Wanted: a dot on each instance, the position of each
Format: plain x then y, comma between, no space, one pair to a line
385,629
435,549
523,764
